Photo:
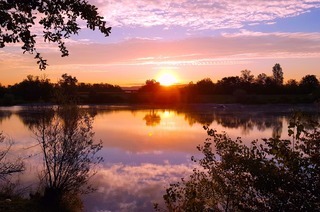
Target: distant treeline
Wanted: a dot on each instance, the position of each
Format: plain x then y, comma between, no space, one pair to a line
245,88
34,89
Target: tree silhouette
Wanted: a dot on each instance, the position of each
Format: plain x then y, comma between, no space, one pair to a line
292,86
204,86
228,85
292,82
277,74
150,86
33,89
59,20
2,90
309,83
261,79
246,76
67,89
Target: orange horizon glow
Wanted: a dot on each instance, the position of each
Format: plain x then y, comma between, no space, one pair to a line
144,43
163,79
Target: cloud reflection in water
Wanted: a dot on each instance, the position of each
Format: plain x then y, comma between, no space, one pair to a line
133,188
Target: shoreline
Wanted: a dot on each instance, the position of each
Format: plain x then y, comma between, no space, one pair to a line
306,107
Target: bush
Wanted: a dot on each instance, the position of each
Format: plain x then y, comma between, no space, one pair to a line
271,175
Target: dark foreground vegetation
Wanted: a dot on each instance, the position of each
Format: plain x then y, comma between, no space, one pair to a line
245,89
64,138
267,175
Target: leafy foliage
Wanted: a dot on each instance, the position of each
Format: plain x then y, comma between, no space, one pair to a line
59,20
272,175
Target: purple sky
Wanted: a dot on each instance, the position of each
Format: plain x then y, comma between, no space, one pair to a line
190,39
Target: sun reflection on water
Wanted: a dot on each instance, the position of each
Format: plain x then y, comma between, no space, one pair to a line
145,149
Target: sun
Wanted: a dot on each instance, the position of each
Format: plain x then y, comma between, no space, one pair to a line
167,79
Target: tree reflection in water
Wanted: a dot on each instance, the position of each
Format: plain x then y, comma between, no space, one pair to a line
34,116
245,121
4,115
65,137
152,118
69,156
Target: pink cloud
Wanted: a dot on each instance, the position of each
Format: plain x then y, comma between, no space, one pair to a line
228,48
214,14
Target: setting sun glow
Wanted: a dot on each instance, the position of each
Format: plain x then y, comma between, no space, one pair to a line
167,79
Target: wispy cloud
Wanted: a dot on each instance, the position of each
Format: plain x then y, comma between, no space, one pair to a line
315,36
229,48
204,14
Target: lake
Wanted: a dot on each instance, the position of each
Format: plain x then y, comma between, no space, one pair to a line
145,149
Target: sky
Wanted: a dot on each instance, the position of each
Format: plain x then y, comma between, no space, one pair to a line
189,39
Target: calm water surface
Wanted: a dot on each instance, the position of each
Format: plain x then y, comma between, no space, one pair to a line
145,149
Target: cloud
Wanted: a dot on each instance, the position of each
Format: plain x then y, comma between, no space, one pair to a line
314,36
205,14
132,188
139,56
229,48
